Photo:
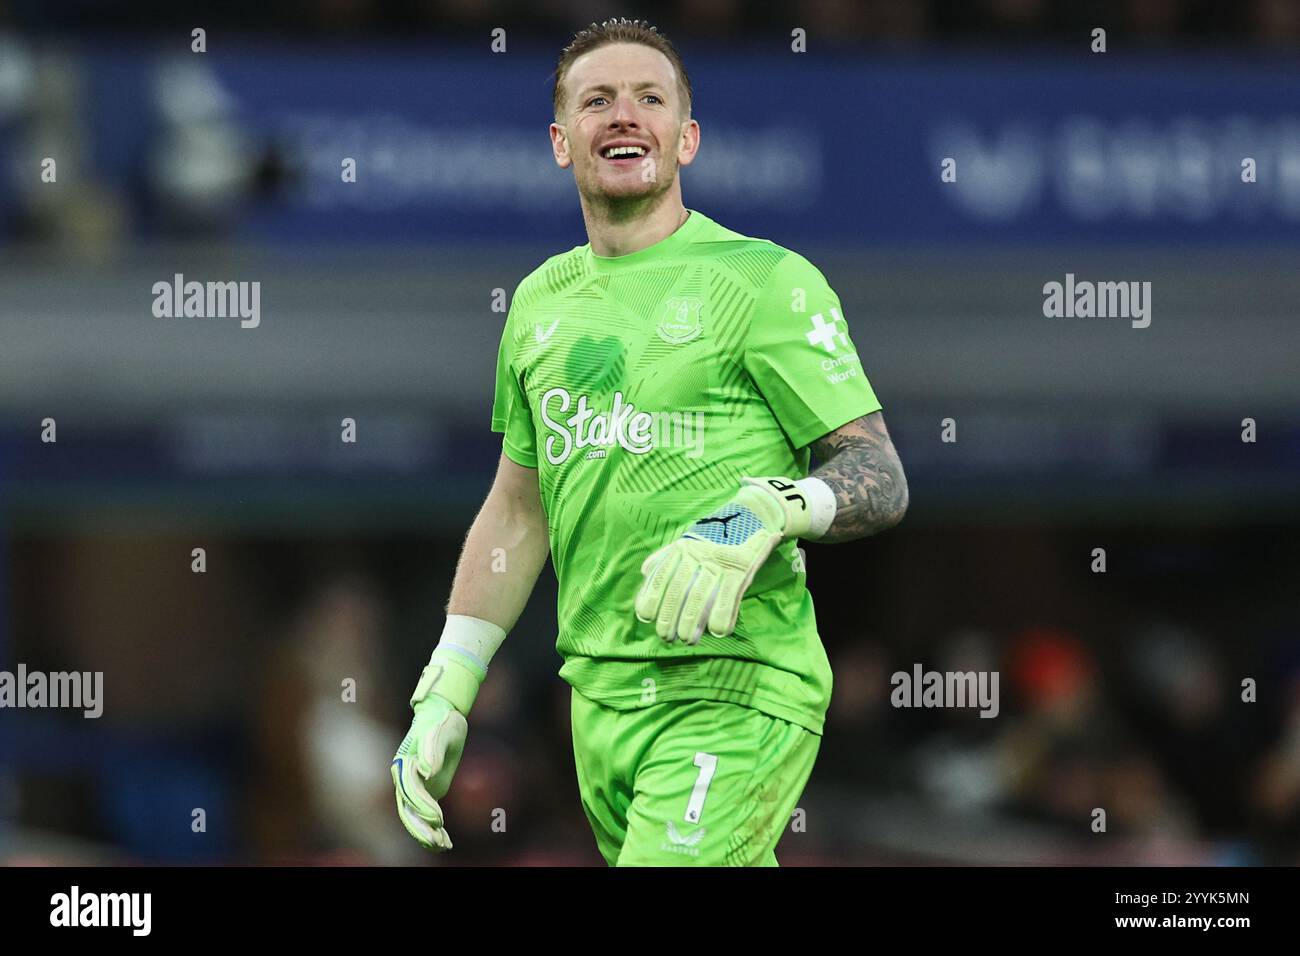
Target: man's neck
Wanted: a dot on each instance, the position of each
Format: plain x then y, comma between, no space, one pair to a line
621,231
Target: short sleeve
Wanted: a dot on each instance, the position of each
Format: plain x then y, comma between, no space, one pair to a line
511,415
799,354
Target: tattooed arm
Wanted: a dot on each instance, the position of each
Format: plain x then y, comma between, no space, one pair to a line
859,463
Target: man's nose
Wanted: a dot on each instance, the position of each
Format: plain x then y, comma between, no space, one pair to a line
624,114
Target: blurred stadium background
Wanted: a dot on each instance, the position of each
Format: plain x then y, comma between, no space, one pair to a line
327,561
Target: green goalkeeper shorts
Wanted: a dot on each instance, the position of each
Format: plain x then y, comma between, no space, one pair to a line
689,782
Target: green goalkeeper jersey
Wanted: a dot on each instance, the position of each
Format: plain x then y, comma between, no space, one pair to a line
643,388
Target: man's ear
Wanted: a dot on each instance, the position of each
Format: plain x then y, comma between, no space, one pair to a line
688,143
560,146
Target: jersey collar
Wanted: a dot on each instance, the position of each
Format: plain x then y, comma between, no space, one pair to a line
667,246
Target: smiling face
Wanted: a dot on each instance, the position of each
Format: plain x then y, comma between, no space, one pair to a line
623,125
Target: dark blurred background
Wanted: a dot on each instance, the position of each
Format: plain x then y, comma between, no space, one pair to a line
329,561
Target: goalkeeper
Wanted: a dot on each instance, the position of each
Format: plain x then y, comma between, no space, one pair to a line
660,392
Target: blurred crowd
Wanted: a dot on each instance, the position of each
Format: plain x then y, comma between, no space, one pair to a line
273,690
837,22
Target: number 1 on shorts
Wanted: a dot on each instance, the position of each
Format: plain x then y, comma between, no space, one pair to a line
707,763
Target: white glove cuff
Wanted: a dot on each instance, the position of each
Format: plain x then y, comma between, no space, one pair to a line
458,665
474,637
821,506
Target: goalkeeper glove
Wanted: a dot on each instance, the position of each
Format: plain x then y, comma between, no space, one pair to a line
428,757
698,580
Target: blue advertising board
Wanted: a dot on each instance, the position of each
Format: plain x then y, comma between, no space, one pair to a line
453,146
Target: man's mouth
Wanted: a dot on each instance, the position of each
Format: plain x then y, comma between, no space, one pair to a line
623,155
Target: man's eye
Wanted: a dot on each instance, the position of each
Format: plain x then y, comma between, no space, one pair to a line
593,100
653,96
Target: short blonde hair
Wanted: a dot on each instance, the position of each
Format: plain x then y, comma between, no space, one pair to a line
619,31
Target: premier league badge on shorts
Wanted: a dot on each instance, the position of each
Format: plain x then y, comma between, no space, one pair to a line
681,320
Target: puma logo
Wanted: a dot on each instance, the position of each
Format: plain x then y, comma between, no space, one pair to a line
721,519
